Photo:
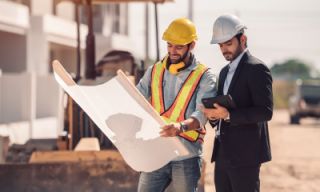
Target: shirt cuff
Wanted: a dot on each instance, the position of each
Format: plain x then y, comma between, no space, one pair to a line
200,117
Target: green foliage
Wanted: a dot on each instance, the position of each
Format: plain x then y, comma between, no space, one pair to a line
292,69
285,75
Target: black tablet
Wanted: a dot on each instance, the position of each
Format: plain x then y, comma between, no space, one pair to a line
223,100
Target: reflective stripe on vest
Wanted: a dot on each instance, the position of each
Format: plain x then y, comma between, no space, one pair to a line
156,87
176,112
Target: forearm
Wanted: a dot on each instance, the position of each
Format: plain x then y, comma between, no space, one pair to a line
174,129
192,123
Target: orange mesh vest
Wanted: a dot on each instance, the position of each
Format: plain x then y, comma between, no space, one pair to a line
177,110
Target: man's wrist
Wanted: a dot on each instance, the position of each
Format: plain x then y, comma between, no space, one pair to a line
183,127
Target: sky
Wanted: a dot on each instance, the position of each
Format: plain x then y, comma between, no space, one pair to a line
277,29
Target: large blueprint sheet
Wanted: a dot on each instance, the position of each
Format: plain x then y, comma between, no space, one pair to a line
126,118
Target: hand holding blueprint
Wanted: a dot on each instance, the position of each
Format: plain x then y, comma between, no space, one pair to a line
126,118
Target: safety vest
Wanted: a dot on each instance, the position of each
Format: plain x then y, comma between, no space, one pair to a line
176,112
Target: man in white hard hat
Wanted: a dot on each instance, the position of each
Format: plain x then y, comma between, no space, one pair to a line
242,139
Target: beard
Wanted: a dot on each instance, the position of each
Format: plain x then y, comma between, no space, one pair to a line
175,58
229,56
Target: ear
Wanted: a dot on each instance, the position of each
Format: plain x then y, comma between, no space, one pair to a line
243,39
193,44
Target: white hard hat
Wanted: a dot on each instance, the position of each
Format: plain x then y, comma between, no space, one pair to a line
225,28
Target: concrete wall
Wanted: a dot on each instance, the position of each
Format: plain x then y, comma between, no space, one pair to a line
48,97
41,7
22,94
66,10
30,107
52,38
13,17
21,132
16,97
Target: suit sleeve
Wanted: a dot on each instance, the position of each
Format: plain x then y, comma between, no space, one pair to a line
260,89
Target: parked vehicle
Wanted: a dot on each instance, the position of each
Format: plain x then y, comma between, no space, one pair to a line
305,102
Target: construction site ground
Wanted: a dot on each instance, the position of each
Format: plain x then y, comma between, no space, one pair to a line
295,165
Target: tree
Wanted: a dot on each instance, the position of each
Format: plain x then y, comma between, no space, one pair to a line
291,69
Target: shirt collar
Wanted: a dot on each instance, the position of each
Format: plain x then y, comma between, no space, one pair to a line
193,65
234,64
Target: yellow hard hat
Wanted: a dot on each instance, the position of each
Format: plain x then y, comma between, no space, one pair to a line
180,32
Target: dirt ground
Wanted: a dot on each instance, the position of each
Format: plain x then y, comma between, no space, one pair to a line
295,166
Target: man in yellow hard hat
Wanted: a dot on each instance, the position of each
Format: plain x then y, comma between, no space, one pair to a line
175,86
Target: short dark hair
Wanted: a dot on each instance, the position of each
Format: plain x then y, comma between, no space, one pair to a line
238,37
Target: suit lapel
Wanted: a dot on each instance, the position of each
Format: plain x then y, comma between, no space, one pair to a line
236,74
222,78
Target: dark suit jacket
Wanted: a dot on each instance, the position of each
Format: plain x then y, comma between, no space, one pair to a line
245,139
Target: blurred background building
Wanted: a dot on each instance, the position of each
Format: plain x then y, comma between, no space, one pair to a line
32,34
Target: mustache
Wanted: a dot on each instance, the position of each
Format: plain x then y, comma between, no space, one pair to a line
225,53
175,55
177,60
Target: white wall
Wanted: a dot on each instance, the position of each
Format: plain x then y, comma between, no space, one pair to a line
46,128
48,97
19,132
13,17
30,106
45,31
24,97
16,97
66,10
41,7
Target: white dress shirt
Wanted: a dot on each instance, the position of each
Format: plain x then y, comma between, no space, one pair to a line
232,68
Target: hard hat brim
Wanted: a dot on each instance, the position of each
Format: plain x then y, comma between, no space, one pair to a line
222,40
227,38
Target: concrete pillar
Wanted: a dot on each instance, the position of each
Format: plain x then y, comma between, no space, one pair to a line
37,47
41,7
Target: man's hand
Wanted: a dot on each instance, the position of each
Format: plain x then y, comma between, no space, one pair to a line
218,112
170,130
